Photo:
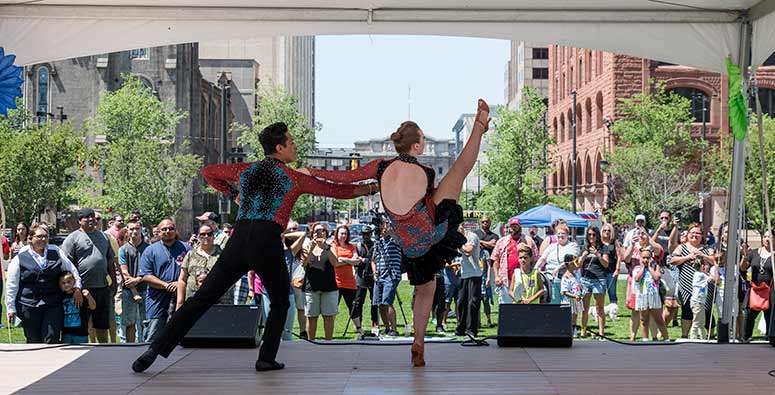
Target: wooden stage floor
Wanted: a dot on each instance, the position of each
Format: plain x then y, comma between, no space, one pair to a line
586,368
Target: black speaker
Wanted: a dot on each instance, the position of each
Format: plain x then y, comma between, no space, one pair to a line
534,325
225,326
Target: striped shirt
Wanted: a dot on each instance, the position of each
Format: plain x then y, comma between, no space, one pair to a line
387,258
687,275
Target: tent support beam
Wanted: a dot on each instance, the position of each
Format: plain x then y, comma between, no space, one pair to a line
734,219
761,9
277,14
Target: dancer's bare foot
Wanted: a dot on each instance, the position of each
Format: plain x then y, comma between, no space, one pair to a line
482,121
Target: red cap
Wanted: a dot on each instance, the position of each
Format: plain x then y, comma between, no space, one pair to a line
514,221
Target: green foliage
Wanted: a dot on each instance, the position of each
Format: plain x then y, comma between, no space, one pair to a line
38,163
652,168
721,157
516,165
277,105
141,165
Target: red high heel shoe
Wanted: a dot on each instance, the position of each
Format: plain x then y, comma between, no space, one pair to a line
418,355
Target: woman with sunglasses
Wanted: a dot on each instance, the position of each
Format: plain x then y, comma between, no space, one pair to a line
552,261
760,262
320,289
615,252
594,265
33,288
197,264
684,256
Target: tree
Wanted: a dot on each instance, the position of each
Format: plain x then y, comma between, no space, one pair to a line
277,105
38,162
516,165
141,164
654,167
720,159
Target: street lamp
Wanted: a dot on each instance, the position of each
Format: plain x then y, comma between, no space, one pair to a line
574,181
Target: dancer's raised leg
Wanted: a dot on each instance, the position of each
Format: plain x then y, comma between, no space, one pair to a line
452,183
422,310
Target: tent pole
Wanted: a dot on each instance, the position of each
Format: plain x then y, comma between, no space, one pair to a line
735,200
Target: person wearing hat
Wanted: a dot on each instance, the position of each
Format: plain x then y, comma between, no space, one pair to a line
629,237
90,250
505,258
364,278
212,220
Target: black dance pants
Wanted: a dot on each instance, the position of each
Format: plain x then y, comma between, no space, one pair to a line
256,245
468,303
42,324
360,300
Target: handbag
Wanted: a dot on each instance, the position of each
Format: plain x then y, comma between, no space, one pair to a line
630,302
760,297
298,277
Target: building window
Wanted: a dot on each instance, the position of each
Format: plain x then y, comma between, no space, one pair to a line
42,103
140,53
540,53
441,170
696,97
540,73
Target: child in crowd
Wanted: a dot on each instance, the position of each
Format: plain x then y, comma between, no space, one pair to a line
570,287
527,286
76,323
699,295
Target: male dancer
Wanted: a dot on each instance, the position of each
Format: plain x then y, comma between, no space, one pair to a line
268,189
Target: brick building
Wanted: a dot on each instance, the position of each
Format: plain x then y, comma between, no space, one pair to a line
600,79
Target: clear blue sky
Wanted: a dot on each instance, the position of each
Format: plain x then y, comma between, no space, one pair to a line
362,83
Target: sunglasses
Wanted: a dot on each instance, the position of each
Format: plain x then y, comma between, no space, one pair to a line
206,234
665,218
292,229
167,229
606,230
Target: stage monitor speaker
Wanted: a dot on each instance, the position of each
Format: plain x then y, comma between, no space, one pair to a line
225,326
534,325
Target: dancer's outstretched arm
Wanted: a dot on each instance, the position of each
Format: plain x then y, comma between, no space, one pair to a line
367,172
221,177
311,185
452,183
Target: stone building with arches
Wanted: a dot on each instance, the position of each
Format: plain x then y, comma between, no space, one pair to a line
600,79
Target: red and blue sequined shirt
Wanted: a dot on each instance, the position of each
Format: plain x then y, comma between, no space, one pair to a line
416,231
269,189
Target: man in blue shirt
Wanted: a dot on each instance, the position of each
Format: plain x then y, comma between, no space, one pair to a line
160,269
386,266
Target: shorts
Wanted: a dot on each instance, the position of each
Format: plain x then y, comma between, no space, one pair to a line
132,313
101,316
594,286
74,339
299,299
451,289
385,292
321,303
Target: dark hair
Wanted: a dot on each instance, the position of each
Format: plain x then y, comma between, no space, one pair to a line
133,221
65,274
323,224
522,247
598,240
406,135
273,135
336,235
16,234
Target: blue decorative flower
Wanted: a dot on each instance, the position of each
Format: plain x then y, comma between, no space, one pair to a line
10,82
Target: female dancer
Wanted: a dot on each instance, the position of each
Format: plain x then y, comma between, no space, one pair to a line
424,220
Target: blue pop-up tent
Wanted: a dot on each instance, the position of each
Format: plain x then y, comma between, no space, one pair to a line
542,216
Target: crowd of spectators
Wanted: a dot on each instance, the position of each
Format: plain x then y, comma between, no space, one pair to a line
122,284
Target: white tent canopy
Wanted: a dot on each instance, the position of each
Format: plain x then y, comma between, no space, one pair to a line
699,33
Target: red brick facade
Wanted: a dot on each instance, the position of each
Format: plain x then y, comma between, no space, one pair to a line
600,79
